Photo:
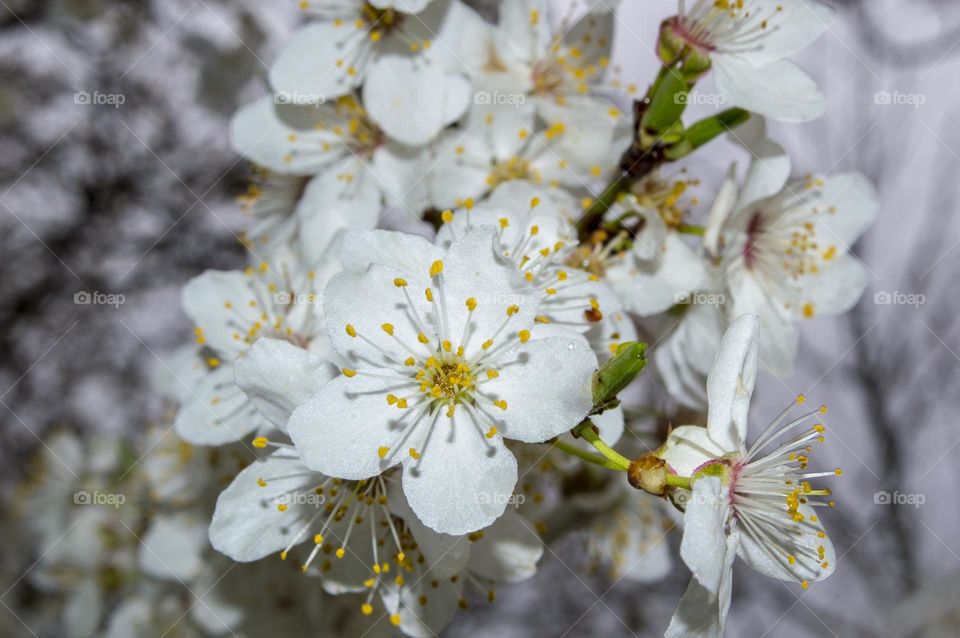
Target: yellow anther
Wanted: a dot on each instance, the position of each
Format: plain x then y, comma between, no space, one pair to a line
351,331
534,202
512,310
399,282
261,482
429,294
823,409
283,555
318,539
260,442
838,471
414,454
422,338
492,432
805,585
349,373
468,203
282,507
401,403
388,328
504,222
524,336
500,403
542,319
409,361
341,552
492,374
471,304
213,362
382,451
395,620
435,269
366,609
391,399
447,346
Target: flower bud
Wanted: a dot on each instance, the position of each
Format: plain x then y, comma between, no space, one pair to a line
648,473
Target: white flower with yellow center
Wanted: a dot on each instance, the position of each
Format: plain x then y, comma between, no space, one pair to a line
443,368
754,501
232,310
747,42
357,165
400,51
555,71
361,536
500,143
535,234
785,246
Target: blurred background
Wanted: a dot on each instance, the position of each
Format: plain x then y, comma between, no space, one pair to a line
117,185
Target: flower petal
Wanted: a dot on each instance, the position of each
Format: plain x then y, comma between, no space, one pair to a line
546,384
730,384
779,90
688,447
411,101
704,544
341,430
463,480
315,61
508,552
278,377
400,250
772,563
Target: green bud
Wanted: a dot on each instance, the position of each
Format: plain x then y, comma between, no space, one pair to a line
617,373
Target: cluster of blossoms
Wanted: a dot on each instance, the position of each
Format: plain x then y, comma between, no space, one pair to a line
459,235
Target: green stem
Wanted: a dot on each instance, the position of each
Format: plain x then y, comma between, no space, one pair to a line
596,459
688,229
586,432
674,480
602,204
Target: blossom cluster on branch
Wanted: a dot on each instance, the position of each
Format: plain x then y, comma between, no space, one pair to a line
463,245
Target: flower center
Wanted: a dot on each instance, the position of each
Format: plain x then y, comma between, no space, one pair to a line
509,169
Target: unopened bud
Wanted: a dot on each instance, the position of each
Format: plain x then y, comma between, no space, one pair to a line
648,473
614,375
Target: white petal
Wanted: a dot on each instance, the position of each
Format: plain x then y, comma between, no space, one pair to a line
216,302
284,137
771,561
779,90
836,288
446,555
367,299
308,64
398,172
730,384
509,550
404,251
475,268
278,377
411,101
405,6
848,205
778,335
688,447
723,207
173,547
546,384
791,26
340,431
217,411
700,613
463,480
769,163
704,543
247,525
